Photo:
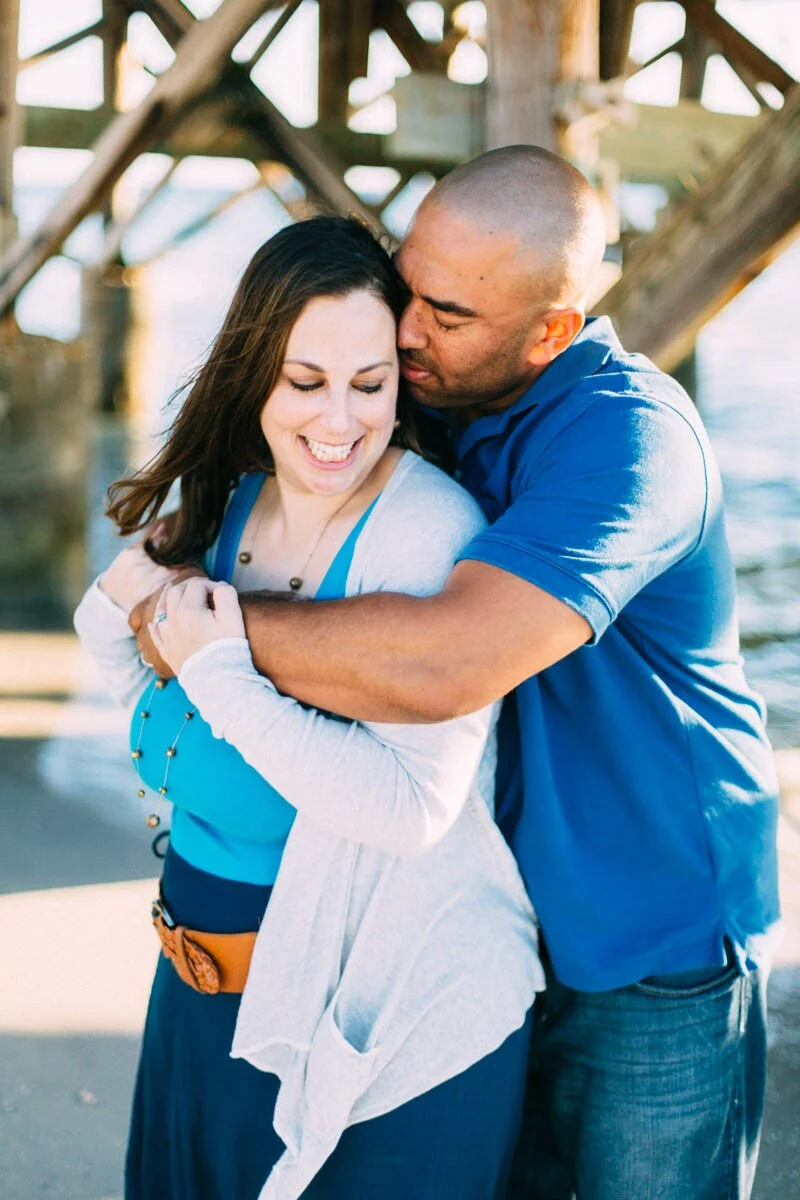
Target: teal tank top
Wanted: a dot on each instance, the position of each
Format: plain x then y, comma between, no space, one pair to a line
226,818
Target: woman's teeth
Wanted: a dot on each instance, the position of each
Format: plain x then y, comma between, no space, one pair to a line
327,453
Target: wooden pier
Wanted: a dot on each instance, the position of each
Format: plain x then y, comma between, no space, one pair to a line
556,72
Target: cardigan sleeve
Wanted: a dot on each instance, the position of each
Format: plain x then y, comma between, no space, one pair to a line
397,787
105,634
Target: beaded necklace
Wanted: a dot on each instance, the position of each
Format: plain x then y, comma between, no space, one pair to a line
153,819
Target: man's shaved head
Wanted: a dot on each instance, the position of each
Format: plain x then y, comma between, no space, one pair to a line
498,263
540,201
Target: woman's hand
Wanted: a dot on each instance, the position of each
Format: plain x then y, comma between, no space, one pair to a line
132,576
191,615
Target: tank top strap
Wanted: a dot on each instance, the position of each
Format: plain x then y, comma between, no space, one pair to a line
239,508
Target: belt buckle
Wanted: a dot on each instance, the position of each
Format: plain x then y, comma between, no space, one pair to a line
160,912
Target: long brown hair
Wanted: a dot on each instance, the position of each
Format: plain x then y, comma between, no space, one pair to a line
216,437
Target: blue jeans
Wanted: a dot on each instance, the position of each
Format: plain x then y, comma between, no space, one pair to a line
649,1092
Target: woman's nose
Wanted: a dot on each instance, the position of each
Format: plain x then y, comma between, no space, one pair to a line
410,329
337,410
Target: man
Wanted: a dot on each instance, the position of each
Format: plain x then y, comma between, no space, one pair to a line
603,593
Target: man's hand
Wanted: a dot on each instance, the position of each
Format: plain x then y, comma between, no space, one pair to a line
131,577
191,615
142,614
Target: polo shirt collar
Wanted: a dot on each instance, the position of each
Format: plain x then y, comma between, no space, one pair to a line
596,342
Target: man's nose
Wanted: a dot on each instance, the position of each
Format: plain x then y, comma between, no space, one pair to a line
410,329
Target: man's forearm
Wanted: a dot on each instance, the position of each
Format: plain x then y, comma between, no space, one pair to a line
377,657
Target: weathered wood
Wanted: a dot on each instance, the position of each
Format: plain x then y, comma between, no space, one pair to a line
9,117
535,47
9,132
524,47
739,50
713,243
199,61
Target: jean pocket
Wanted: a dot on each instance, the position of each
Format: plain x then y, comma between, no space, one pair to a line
715,982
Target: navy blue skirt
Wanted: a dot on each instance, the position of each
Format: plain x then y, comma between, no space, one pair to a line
201,1126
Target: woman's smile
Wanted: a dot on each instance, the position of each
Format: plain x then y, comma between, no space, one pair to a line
330,455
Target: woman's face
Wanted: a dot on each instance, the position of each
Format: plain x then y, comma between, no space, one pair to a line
331,415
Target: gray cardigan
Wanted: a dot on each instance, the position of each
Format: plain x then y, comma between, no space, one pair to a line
399,946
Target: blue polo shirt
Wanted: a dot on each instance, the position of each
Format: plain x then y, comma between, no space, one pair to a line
646,830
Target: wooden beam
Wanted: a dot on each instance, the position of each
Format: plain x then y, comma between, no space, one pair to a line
304,154
664,144
633,68
9,117
199,223
63,44
199,61
616,24
694,56
713,243
114,34
251,110
273,32
524,41
112,243
534,49
9,27
391,16
739,50
74,129
333,72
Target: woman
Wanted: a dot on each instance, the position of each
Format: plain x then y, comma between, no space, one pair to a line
338,909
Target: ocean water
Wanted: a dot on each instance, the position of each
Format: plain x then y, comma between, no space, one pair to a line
748,394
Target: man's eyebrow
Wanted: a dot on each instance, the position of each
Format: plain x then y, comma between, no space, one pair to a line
298,362
446,306
450,306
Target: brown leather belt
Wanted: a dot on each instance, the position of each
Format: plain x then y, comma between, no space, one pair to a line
207,962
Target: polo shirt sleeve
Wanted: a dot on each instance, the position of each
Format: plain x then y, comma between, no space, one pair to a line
615,498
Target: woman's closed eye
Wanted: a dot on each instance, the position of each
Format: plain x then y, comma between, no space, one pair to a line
369,389
306,387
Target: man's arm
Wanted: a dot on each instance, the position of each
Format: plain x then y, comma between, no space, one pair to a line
394,658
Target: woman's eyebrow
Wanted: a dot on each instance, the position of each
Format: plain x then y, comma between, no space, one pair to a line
298,362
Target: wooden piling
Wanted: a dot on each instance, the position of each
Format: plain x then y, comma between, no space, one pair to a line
9,117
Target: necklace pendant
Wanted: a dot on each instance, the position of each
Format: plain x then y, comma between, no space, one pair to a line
153,821
245,557
295,583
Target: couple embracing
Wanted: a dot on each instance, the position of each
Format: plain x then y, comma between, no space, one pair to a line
415,946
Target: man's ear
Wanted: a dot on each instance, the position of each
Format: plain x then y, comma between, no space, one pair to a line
561,328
